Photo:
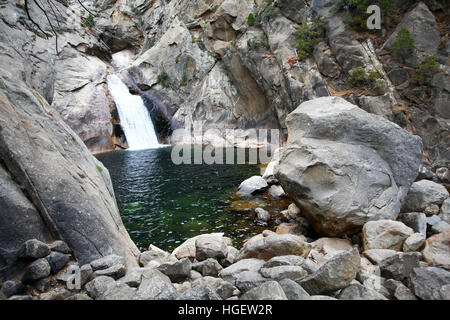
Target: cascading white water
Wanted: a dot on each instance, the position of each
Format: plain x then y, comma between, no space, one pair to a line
134,116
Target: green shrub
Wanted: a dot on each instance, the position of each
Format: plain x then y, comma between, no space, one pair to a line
425,71
308,36
374,75
251,19
404,44
358,78
163,78
89,21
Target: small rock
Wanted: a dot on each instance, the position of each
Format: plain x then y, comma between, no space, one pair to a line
422,194
440,227
199,293
177,271
445,292
378,255
86,274
182,287
445,211
426,283
195,275
209,267
293,290
146,257
335,274
415,220
57,261
276,192
283,272
253,185
248,280
116,271
37,270
319,297
385,234
13,288
231,273
107,262
271,290
210,247
414,242
328,247
231,256
437,250
221,287
26,297
56,294
431,210
284,261
443,174
359,292
42,285
60,246
262,215
34,249
399,266
275,245
79,297
161,253
133,277
156,286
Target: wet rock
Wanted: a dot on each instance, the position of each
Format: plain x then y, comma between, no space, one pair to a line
335,274
293,290
177,271
262,215
269,172
314,168
253,185
274,245
399,266
437,250
268,291
276,192
37,270
359,292
34,249
209,267
385,234
423,194
426,283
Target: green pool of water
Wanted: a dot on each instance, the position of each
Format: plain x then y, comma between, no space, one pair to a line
164,204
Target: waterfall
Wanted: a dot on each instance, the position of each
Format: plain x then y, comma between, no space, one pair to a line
134,116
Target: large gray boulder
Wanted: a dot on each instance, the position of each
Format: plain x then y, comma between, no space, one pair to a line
339,166
70,193
427,282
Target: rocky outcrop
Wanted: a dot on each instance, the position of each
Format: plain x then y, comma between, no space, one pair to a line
56,188
339,167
